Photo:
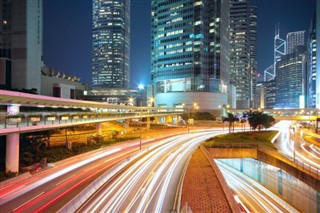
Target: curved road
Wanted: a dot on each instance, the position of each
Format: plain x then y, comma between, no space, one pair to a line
150,184
252,196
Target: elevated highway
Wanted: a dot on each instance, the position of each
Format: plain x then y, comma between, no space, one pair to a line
13,122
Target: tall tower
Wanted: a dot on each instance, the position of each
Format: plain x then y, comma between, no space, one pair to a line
318,56
111,44
243,67
280,49
189,59
21,44
295,39
311,64
290,80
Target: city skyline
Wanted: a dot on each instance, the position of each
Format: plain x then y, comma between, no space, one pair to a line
63,52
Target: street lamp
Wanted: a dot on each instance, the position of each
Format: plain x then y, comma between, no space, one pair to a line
140,128
141,88
152,101
131,101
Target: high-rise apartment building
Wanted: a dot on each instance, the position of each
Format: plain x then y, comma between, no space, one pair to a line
295,39
21,44
190,50
111,44
243,40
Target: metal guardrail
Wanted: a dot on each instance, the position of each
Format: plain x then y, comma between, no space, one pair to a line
28,120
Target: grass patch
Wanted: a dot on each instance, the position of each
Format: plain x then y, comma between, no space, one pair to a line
257,137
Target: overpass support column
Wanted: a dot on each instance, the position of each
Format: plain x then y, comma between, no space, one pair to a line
156,120
126,125
148,122
99,128
12,152
168,119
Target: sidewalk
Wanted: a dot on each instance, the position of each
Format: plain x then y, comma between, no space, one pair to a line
201,188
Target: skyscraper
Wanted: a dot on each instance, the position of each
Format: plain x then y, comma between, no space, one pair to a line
111,44
318,56
243,40
290,80
295,39
311,65
189,59
21,44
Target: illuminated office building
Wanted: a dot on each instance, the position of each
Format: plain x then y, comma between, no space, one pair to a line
295,39
290,88
111,44
21,44
190,52
311,65
243,42
317,93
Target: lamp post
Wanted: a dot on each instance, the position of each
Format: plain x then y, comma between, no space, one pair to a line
152,101
188,106
131,101
141,88
140,128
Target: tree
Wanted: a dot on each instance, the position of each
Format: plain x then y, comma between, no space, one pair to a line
231,119
259,120
115,133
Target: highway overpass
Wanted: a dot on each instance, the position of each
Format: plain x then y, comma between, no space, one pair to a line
12,122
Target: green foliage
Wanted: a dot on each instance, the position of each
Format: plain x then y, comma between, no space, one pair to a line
114,134
259,120
56,153
262,138
231,119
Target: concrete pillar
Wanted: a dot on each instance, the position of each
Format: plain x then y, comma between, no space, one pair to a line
12,152
126,125
168,119
99,128
148,122
156,120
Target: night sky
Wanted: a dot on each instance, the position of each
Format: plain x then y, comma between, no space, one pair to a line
67,29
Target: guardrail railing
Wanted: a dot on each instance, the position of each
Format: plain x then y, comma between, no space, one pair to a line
29,119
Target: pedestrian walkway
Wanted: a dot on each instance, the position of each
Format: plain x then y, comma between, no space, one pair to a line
201,188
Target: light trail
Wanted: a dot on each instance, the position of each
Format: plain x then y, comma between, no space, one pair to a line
94,205
9,196
247,188
315,149
302,158
143,187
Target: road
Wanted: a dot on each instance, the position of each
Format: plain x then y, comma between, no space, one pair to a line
292,144
252,196
51,189
149,184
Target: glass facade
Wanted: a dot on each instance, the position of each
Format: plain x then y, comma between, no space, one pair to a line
295,39
111,44
189,45
312,71
243,67
289,80
21,43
